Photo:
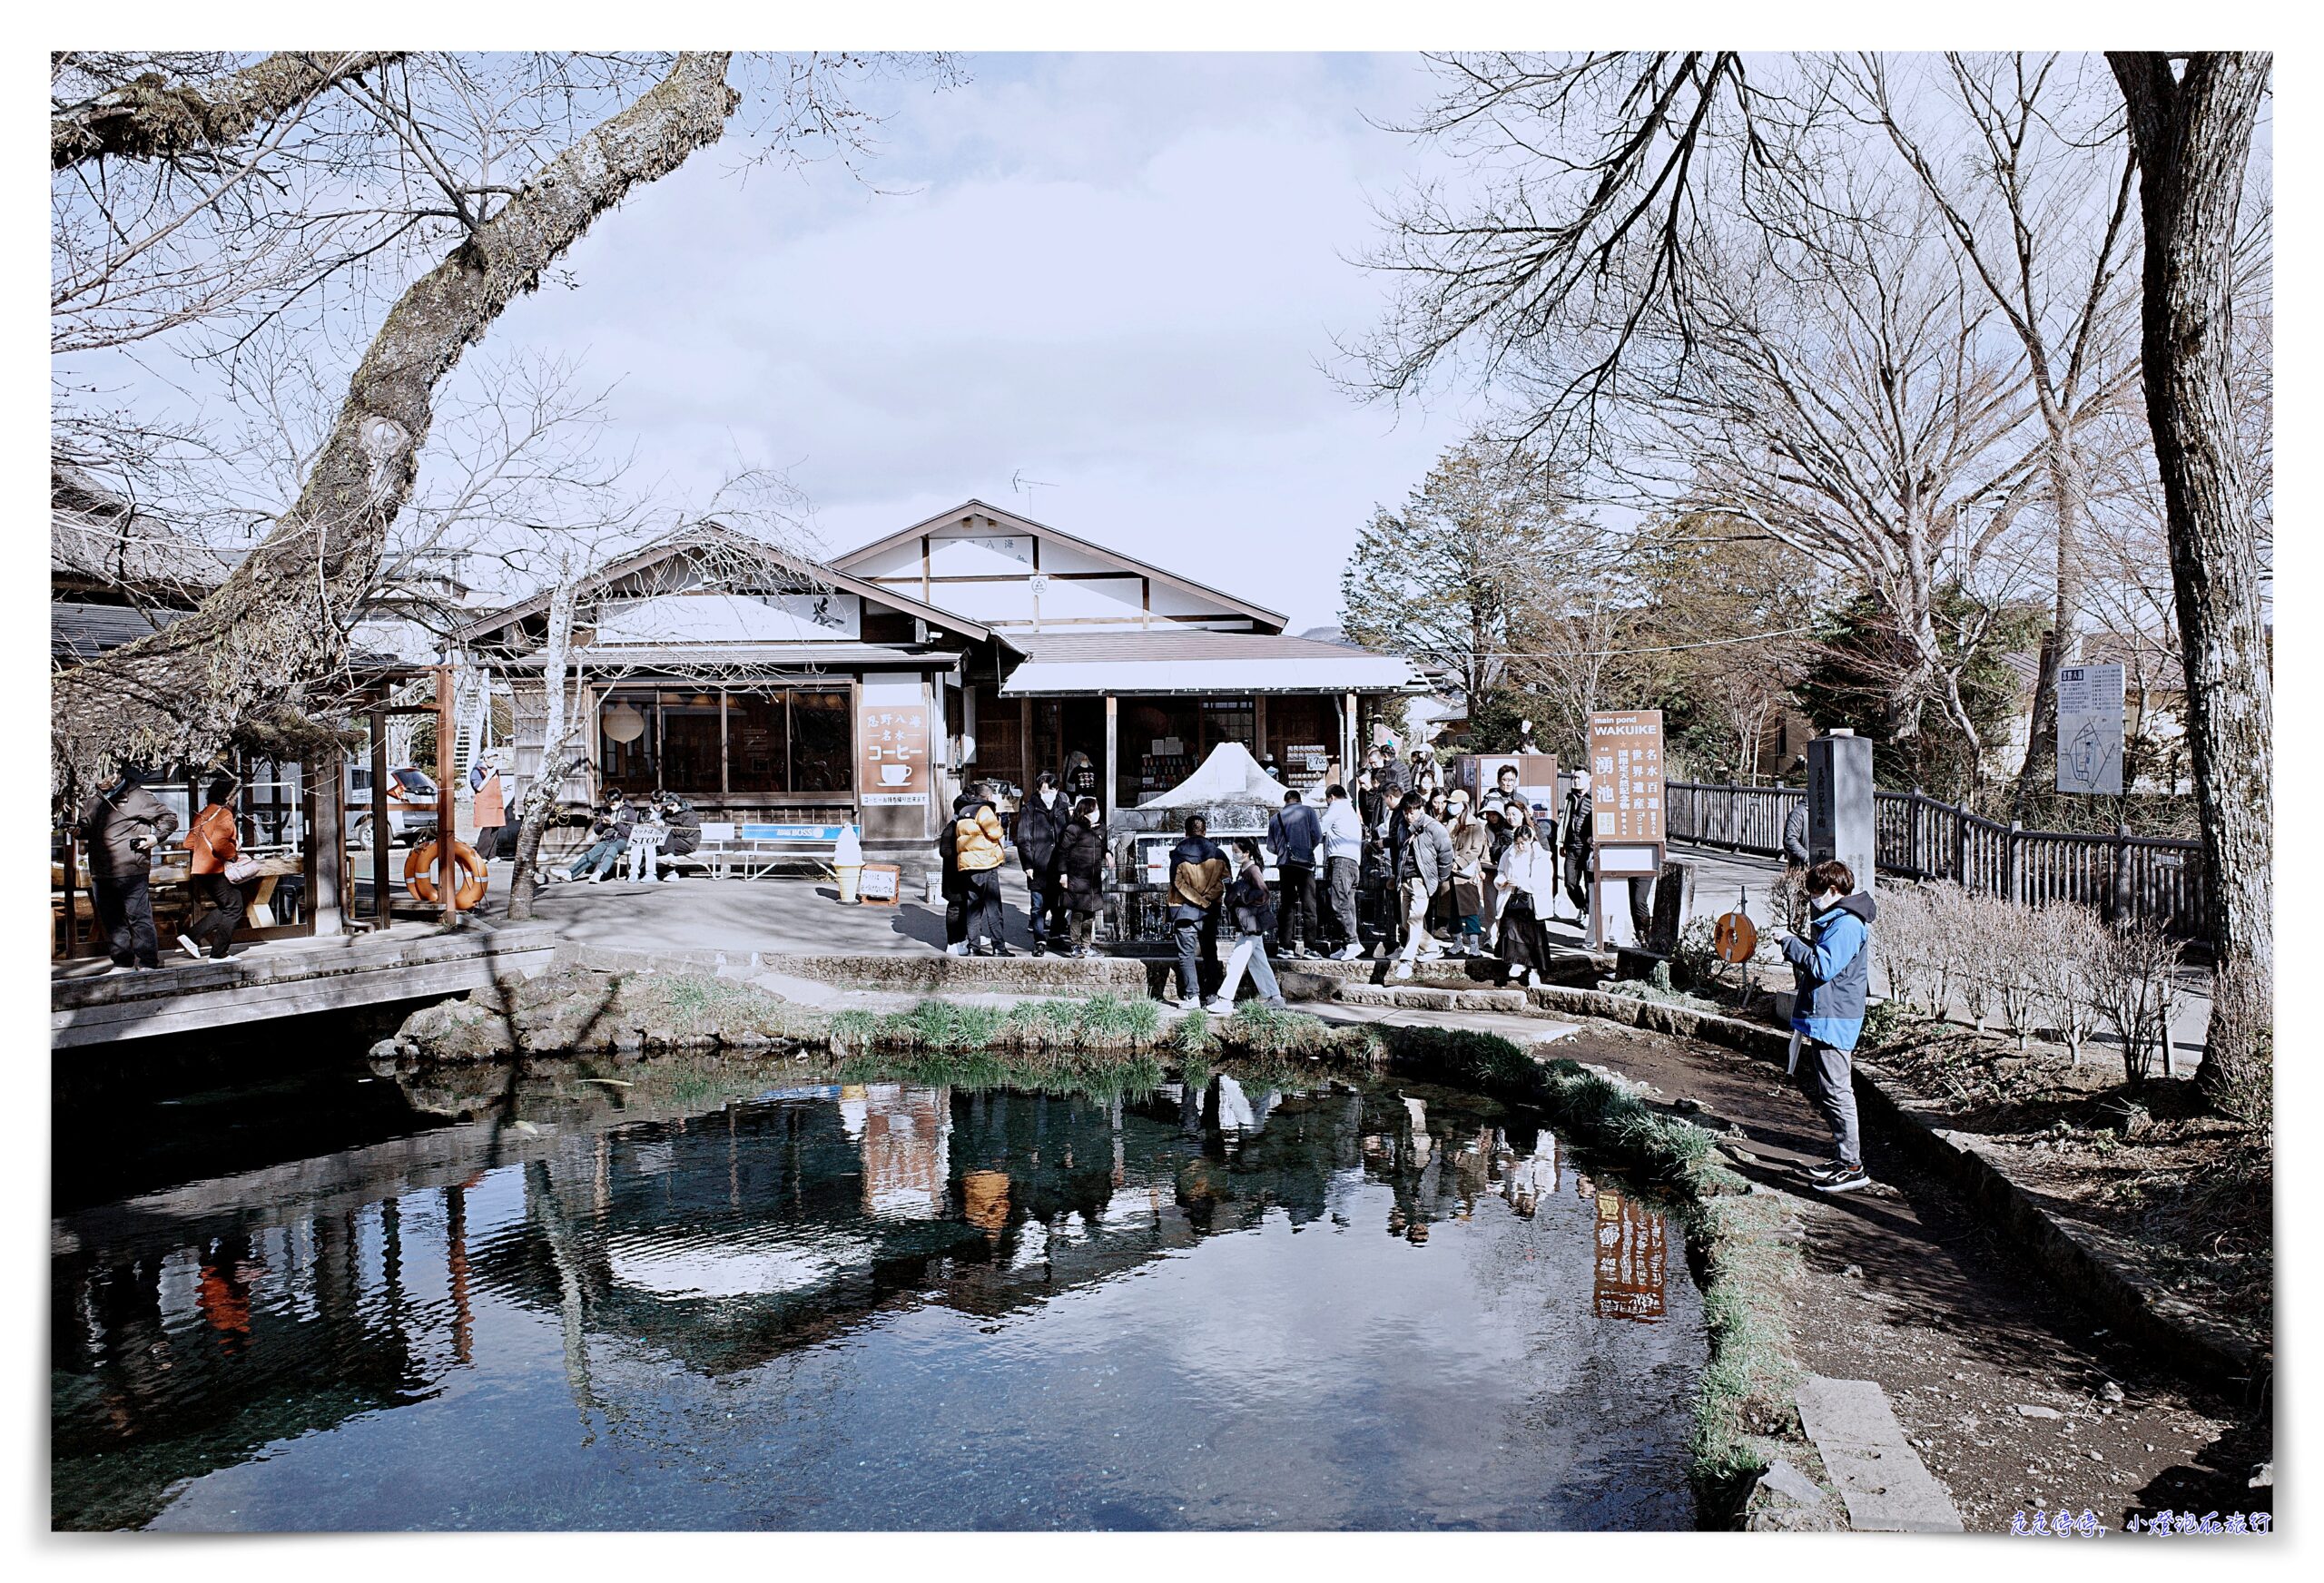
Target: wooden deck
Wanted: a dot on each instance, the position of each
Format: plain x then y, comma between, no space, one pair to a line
293,978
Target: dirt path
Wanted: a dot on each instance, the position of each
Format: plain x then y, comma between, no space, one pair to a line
1902,1285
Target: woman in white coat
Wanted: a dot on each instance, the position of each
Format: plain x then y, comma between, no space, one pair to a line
1527,882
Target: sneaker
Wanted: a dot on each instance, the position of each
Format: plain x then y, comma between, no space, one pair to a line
1830,1170
596,879
1040,948
1851,1180
185,944
1348,953
1402,971
1278,1004
671,878
1183,1004
959,950
1219,1007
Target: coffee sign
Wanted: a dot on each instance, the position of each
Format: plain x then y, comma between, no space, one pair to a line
1626,775
893,743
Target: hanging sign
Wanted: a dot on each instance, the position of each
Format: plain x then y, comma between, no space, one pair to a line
2090,730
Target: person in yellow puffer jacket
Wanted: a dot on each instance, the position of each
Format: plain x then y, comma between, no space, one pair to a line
977,847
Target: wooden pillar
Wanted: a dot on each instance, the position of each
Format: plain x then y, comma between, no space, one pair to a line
447,829
381,826
1025,743
1351,750
326,855
1258,726
1113,759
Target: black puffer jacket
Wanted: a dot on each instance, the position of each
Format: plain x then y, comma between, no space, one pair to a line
1081,864
1038,828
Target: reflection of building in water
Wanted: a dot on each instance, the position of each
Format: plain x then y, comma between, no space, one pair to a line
903,1130
244,1310
1631,1255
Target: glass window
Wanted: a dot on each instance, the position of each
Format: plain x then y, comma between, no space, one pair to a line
757,742
822,742
628,731
690,728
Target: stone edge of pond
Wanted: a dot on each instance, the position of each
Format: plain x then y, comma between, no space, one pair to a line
1745,1418
2073,1255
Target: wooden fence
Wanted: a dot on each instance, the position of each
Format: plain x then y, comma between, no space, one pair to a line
2121,876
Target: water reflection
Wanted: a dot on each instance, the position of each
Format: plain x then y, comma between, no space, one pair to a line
817,1279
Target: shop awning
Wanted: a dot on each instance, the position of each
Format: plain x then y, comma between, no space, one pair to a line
1232,663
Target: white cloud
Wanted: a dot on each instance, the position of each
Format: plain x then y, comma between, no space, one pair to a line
1117,274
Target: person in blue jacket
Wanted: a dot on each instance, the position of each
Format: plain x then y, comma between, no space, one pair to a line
1832,971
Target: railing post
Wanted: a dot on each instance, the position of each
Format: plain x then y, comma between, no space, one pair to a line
1960,845
2009,862
2121,900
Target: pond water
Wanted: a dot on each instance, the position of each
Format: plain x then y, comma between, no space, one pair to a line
1365,1304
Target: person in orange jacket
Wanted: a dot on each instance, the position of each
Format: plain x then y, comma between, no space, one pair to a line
211,843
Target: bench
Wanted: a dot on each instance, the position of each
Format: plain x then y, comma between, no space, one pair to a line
751,852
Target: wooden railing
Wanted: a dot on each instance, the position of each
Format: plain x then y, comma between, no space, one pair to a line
1917,837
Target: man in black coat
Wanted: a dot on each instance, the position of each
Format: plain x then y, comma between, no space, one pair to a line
124,829
1040,825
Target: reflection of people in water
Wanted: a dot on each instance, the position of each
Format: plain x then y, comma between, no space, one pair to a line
229,1270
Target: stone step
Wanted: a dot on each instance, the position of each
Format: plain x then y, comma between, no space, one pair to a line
1432,997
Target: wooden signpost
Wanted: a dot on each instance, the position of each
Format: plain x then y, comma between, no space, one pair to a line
1627,830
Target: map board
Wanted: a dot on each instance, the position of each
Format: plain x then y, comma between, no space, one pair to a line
2090,730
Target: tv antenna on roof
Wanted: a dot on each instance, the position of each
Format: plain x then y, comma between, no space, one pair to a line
1025,487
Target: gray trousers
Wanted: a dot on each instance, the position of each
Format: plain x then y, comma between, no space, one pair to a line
1342,875
1824,1077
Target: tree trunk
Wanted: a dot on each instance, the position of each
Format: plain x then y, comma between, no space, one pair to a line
2192,135
150,119
248,660
540,797
2062,645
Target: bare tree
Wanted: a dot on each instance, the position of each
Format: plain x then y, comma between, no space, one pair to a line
2192,122
149,117
494,164
2022,158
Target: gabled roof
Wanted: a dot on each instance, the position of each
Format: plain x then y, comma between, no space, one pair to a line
716,535
1043,530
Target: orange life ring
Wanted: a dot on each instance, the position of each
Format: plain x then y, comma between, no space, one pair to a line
420,868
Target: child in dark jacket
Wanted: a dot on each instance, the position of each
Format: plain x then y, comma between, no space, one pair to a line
1081,873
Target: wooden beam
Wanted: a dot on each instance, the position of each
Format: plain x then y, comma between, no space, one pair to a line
1259,725
381,825
1025,743
446,827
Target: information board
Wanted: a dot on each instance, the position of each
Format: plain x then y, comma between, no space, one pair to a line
2090,730
1626,775
879,884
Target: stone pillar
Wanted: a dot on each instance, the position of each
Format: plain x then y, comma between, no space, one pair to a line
1840,803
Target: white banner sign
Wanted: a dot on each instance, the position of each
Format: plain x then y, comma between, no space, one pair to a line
2090,730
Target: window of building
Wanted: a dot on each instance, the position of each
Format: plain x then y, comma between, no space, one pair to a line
822,742
758,742
777,742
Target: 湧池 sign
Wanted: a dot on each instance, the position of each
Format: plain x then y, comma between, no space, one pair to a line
1626,775
891,742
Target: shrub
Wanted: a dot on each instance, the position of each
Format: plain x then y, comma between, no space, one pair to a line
2136,983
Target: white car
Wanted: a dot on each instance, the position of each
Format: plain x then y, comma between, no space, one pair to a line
411,805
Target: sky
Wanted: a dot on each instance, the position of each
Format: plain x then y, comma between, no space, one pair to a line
1101,291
